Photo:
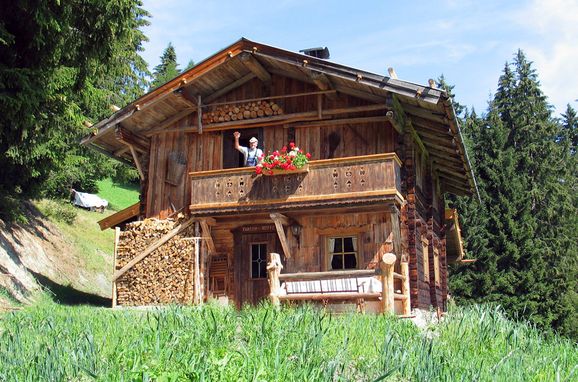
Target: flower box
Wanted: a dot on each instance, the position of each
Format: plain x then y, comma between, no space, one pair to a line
279,171
288,160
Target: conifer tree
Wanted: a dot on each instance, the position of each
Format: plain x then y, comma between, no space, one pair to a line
167,69
524,238
55,59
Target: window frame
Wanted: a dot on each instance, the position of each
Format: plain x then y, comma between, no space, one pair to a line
328,254
251,259
436,254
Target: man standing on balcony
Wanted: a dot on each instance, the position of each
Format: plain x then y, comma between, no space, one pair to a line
252,154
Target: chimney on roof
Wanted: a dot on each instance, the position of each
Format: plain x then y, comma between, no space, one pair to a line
317,52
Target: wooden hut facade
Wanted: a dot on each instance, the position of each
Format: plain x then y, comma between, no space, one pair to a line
384,152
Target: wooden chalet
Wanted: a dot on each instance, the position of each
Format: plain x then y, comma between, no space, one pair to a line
384,154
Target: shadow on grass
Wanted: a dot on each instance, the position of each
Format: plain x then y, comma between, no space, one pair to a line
67,295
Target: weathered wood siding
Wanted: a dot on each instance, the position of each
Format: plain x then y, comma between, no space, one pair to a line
309,251
166,189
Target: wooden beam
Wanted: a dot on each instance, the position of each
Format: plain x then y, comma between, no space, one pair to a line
286,118
169,121
285,96
199,116
444,149
398,120
279,221
153,247
330,275
280,217
321,81
343,121
430,115
182,96
104,152
136,161
255,66
127,137
120,216
360,94
226,89
417,139
116,239
109,125
445,170
207,236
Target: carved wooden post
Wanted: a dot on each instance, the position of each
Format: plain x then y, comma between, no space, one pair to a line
274,269
405,286
386,266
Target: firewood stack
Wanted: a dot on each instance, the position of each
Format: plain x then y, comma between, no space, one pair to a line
164,276
251,110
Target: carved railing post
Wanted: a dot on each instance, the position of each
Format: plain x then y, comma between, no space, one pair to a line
405,286
386,264
274,269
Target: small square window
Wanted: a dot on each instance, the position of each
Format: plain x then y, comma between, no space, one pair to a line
342,252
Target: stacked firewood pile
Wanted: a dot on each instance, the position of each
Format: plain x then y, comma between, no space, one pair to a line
257,109
164,276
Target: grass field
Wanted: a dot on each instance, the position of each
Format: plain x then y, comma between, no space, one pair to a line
210,343
119,196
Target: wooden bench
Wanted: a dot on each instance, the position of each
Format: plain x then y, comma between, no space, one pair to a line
358,285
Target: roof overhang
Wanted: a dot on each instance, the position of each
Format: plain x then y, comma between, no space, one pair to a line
425,110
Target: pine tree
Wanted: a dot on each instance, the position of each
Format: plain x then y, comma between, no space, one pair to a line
167,69
57,58
523,232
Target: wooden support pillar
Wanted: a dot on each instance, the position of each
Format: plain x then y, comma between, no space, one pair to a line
137,162
207,236
406,302
281,220
394,216
274,269
116,239
199,115
197,290
387,298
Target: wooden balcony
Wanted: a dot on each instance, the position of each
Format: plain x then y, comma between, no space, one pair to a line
361,180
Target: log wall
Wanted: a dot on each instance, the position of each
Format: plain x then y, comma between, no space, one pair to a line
308,251
173,154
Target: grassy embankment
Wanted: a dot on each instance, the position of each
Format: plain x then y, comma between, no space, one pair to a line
50,342
82,230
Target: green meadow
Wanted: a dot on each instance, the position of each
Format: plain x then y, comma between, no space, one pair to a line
211,343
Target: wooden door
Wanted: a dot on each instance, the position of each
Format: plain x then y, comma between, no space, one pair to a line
251,257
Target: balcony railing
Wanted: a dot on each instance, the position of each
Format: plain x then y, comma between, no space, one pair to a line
329,182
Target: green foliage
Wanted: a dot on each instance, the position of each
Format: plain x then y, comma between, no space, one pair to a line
59,210
167,69
62,63
210,343
524,233
190,65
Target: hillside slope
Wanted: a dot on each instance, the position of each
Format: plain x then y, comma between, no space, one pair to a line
38,254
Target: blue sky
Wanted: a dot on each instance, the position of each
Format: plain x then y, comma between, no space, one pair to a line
468,41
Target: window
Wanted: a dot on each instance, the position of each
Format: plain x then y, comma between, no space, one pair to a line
436,253
258,260
342,252
425,254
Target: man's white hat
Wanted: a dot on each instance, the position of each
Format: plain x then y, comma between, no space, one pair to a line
253,139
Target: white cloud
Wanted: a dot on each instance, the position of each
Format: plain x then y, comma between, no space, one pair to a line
554,48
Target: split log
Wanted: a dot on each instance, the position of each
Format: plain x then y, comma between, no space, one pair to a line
251,110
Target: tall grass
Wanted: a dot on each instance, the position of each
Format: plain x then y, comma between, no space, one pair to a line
210,343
